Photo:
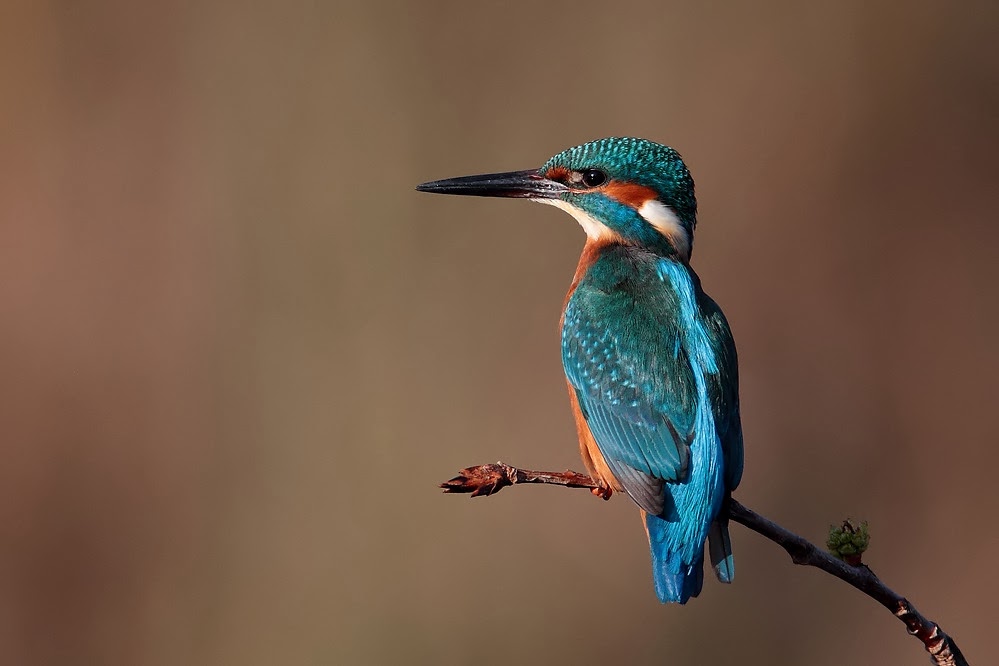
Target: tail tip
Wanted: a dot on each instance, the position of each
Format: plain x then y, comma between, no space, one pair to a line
679,588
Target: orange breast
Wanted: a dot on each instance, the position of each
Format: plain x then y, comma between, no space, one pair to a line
588,449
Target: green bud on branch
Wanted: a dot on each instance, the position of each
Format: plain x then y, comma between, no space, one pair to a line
848,542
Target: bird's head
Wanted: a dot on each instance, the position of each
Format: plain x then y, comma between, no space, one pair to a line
626,190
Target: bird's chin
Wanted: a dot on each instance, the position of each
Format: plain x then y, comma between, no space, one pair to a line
594,228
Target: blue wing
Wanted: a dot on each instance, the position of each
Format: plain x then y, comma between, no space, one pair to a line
725,393
725,406
635,386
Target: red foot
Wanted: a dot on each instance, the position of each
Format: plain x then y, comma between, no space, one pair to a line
603,492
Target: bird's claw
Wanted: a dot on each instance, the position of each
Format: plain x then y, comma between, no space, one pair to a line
603,492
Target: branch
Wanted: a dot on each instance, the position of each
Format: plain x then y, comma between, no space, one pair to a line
488,479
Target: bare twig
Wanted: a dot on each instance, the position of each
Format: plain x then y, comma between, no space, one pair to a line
489,479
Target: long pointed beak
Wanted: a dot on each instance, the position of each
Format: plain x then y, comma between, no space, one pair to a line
516,184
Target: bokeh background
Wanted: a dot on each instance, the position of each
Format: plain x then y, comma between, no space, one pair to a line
238,351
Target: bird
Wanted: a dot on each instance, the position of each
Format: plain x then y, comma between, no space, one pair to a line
649,358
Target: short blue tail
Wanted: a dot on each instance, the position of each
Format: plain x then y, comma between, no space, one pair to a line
677,581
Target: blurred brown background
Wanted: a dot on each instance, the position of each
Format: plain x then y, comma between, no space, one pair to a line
238,351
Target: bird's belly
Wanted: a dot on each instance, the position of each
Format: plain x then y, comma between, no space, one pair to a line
594,461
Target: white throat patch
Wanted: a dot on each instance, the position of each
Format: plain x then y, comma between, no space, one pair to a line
668,224
652,211
594,228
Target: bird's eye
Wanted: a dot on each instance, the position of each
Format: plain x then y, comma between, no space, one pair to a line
593,177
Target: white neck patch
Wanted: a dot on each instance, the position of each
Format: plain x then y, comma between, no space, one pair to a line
594,228
652,211
668,224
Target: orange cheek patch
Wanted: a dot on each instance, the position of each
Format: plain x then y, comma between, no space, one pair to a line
629,194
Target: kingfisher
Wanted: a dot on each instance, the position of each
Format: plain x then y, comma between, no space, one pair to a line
649,358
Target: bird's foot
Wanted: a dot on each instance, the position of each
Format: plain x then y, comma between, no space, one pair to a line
603,492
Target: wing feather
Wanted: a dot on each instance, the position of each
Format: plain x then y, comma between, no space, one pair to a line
635,388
